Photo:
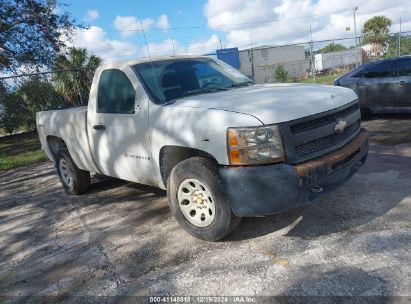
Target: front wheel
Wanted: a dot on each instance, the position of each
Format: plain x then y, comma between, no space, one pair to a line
74,180
198,201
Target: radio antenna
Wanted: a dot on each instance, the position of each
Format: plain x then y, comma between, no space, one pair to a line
149,57
174,51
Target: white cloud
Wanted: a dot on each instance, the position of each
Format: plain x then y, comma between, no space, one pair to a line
129,25
237,14
285,21
203,46
92,15
96,41
163,23
199,47
167,47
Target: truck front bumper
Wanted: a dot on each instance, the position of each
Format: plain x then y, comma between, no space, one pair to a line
269,189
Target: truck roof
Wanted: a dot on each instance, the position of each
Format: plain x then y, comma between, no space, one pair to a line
153,59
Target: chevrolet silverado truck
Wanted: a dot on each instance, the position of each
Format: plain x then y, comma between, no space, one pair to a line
223,147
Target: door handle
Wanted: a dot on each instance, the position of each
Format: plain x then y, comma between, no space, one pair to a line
401,83
99,127
360,84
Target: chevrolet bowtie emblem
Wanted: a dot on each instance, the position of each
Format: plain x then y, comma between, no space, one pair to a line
340,126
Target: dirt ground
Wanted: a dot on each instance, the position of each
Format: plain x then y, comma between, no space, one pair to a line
120,240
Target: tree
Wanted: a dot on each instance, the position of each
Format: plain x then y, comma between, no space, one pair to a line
332,47
75,84
21,101
393,46
281,75
12,111
376,33
6,122
31,33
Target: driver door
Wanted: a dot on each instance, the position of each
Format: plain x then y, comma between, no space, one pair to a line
403,83
119,126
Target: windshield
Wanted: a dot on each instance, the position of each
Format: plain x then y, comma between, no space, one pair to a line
171,79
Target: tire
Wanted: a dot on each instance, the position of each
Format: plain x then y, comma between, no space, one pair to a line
198,200
74,180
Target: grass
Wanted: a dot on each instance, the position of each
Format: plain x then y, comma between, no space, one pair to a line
20,150
323,79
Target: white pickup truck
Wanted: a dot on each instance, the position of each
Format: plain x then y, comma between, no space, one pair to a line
222,146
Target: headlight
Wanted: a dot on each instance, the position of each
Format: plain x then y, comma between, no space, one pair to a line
251,146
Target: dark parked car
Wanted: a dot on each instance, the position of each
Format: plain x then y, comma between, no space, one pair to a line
382,86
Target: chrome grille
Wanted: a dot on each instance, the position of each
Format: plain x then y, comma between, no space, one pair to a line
321,121
313,136
326,142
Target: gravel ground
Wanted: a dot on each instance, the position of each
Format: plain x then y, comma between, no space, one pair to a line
120,240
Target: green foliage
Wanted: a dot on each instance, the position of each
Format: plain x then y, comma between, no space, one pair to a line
333,47
20,150
21,102
75,85
281,75
31,33
5,120
393,46
13,112
21,160
21,98
376,32
323,79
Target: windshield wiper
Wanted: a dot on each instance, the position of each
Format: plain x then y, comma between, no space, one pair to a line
241,84
204,90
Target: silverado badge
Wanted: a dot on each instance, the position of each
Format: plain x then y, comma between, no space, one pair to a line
340,126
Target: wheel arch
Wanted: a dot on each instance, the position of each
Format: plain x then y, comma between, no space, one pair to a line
54,144
170,156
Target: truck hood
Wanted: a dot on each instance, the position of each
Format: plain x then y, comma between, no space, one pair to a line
274,103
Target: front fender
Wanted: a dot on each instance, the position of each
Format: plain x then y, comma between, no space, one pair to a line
196,128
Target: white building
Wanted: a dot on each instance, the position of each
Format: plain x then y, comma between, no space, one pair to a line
340,59
265,59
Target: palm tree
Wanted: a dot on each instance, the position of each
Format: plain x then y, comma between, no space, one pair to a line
376,32
74,81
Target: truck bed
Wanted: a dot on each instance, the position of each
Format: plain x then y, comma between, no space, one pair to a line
70,125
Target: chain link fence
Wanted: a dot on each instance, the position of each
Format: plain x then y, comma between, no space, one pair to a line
307,61
296,62
23,95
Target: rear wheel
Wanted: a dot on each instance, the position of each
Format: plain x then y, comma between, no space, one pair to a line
74,180
198,201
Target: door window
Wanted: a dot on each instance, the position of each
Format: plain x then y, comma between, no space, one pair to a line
115,93
404,67
378,70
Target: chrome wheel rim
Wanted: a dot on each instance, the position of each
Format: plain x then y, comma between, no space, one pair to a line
196,202
65,173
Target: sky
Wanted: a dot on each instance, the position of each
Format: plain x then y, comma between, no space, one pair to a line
117,30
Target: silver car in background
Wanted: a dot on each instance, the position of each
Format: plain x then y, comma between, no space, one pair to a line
382,86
